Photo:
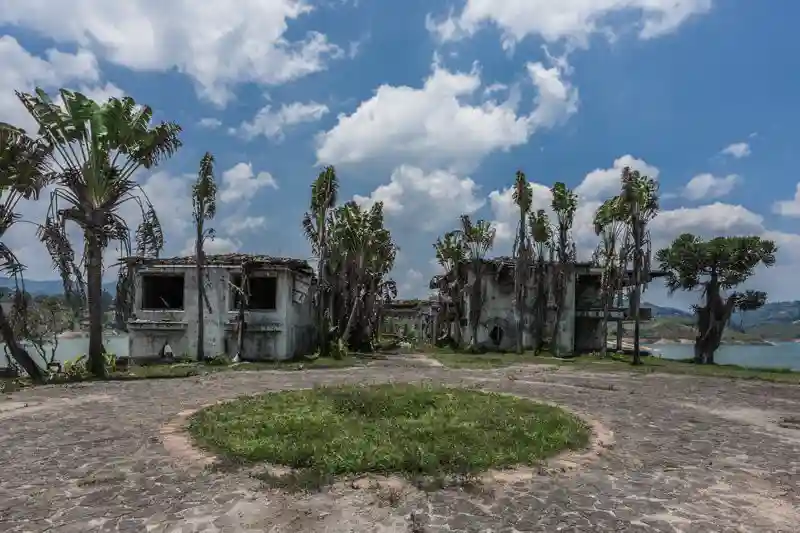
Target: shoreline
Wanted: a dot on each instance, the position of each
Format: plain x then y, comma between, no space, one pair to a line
690,342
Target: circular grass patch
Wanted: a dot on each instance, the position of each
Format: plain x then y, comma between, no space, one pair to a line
387,429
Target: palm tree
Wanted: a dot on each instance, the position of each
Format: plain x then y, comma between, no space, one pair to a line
564,204
23,174
640,206
316,221
204,207
541,232
97,148
451,254
478,238
523,198
609,225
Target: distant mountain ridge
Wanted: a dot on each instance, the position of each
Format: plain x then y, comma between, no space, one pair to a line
47,287
662,312
773,313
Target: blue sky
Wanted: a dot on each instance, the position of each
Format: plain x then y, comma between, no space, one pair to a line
432,106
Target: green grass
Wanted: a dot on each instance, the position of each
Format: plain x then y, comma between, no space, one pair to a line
189,369
159,371
455,359
612,363
672,366
406,429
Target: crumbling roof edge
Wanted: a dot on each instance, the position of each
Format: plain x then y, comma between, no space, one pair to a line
223,260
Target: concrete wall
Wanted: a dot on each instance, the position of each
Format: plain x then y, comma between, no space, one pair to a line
271,334
499,311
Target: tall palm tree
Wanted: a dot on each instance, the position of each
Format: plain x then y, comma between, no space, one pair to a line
451,254
478,238
204,207
609,225
523,199
23,174
316,222
564,204
541,232
97,148
640,206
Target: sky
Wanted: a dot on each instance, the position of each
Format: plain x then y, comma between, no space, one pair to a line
431,107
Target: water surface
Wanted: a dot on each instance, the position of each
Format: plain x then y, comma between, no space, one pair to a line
781,355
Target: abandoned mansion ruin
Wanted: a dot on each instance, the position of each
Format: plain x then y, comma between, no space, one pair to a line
277,317
580,327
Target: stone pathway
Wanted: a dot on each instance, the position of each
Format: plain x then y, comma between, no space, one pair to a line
690,454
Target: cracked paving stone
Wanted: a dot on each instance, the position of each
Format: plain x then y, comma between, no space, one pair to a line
690,454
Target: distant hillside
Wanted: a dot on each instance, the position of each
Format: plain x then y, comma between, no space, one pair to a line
47,287
771,313
776,321
662,312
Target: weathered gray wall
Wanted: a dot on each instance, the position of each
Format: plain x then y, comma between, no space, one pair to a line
270,334
498,309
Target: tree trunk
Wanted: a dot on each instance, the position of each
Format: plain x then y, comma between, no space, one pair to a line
94,294
540,308
560,294
457,312
608,295
475,307
322,307
711,321
201,288
351,319
637,287
20,355
520,303
620,300
244,302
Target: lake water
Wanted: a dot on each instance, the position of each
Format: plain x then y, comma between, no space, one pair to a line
781,355
71,348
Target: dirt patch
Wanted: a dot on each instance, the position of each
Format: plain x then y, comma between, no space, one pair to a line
177,442
770,512
771,422
14,409
424,360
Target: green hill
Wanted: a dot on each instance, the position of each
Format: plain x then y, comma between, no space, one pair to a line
776,321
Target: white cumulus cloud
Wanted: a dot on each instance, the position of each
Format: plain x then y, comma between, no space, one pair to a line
218,44
737,150
707,186
240,183
272,123
434,127
571,20
789,208
424,200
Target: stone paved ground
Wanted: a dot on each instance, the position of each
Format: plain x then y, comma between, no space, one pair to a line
690,454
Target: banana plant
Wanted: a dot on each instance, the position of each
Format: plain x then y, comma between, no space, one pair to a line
23,174
95,150
478,238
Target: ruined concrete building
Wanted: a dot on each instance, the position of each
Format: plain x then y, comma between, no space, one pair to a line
581,318
277,317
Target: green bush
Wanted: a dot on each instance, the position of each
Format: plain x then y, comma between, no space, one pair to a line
218,360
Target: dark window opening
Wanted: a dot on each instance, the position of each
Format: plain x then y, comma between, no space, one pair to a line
161,291
496,335
263,293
